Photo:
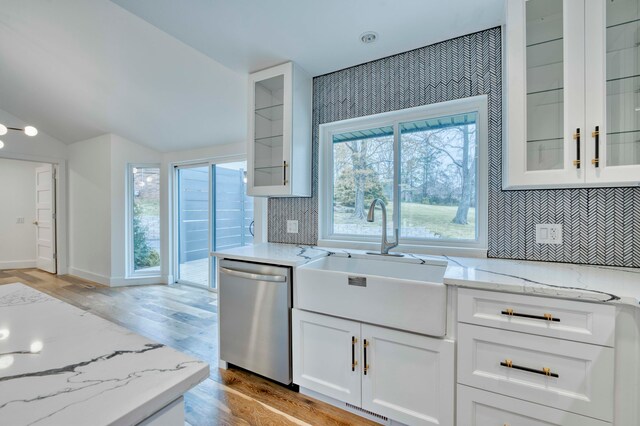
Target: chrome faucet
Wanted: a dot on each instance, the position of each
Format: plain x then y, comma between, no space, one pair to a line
385,245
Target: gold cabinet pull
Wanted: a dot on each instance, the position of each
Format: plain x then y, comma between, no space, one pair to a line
576,136
547,317
366,366
546,371
284,173
596,135
354,362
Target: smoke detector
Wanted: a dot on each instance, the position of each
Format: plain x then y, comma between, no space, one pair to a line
368,37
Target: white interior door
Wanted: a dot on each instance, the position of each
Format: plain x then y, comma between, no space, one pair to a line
45,218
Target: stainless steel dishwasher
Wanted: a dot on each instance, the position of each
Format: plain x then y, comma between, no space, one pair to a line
255,318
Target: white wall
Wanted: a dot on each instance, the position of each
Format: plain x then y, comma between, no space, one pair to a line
17,192
98,209
90,209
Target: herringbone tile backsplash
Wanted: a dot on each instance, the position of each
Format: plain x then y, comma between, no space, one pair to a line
600,226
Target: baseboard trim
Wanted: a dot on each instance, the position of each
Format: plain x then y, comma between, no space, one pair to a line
86,275
18,264
124,282
116,281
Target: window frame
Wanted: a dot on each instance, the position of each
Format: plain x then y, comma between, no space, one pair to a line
475,104
130,191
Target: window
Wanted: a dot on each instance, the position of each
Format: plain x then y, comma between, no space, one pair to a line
144,220
428,165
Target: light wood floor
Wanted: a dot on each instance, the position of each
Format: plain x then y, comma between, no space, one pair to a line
185,318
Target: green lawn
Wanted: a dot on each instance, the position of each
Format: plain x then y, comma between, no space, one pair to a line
436,219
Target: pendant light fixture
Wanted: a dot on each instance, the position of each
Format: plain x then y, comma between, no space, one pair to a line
28,130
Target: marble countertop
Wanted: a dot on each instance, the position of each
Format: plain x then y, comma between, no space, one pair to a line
60,365
583,282
274,253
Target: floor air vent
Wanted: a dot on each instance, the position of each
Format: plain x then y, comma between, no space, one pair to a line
371,413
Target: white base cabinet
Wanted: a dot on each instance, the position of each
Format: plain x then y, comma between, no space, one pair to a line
403,376
323,353
533,361
579,376
480,408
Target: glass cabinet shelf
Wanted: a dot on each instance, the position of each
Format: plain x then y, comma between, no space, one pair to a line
268,168
538,43
270,141
272,113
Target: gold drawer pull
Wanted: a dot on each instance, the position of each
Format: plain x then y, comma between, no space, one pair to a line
546,317
546,371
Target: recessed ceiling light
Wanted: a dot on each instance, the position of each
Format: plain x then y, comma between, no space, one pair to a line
368,37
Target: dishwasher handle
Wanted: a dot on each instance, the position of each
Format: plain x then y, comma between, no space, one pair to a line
252,276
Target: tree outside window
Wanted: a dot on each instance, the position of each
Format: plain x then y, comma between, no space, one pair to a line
438,174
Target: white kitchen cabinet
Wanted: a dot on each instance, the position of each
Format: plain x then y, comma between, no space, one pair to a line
402,376
409,377
481,408
570,376
279,139
326,353
572,94
564,319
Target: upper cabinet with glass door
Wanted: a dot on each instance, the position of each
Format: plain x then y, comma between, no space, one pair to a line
613,90
279,140
566,106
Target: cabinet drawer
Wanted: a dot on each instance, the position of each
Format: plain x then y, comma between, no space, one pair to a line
512,364
481,408
571,320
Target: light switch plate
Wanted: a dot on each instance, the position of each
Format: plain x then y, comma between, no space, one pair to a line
548,233
292,226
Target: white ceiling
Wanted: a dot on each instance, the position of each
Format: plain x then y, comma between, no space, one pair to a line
79,69
320,35
174,76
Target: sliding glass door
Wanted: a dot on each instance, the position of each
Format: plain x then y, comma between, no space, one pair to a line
193,224
213,213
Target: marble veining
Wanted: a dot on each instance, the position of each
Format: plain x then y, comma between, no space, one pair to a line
593,283
583,282
61,365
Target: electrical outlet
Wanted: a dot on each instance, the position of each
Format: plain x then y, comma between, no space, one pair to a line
549,233
20,220
292,226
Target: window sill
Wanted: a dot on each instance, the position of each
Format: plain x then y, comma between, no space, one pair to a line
434,250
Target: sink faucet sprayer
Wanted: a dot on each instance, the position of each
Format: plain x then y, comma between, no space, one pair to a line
385,245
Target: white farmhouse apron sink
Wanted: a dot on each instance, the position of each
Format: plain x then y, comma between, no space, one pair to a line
378,290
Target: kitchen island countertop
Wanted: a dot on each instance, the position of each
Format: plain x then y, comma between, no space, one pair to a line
60,365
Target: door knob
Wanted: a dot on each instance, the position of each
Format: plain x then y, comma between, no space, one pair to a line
35,222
